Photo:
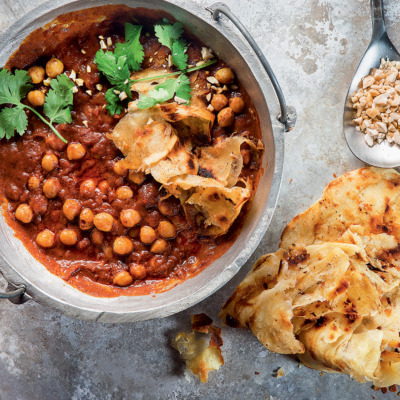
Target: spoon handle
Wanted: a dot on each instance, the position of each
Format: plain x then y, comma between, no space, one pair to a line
378,20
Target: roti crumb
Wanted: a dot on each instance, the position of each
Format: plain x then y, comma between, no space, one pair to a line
393,388
257,373
280,372
376,388
384,390
200,357
321,373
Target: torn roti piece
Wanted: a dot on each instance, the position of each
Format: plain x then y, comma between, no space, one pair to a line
210,207
193,123
200,357
151,145
331,295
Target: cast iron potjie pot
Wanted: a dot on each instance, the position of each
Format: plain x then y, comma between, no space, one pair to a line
215,26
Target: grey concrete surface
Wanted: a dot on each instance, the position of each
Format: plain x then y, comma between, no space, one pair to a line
314,47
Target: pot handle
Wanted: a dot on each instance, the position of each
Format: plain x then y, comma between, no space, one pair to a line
16,294
288,114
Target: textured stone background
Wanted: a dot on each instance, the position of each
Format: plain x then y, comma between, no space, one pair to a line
314,47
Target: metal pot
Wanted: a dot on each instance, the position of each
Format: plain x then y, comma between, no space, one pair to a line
29,279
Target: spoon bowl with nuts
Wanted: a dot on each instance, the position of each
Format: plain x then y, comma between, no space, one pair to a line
371,120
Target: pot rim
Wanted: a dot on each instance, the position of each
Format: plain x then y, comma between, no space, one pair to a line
264,84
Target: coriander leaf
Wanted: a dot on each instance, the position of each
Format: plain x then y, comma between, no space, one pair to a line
14,87
166,91
167,33
162,92
132,48
63,85
146,102
58,101
11,120
114,68
114,105
179,58
182,87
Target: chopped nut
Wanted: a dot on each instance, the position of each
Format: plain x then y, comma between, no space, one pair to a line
123,96
85,123
72,75
109,42
89,92
83,51
99,86
208,97
47,82
213,80
200,63
207,54
101,37
210,108
88,69
179,100
80,82
103,46
75,89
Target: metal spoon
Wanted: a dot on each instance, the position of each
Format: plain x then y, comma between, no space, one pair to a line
383,155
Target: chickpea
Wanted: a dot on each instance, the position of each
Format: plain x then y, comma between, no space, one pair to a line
51,187
36,98
137,271
104,187
159,246
88,188
33,183
119,169
55,143
68,237
225,76
136,177
226,117
37,74
122,245
49,162
147,234
237,104
124,193
246,156
54,67
24,213
71,208
103,222
97,237
45,238
166,229
129,218
122,278
75,151
86,219
219,101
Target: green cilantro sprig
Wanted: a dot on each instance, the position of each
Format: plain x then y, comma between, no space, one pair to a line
14,87
117,66
170,36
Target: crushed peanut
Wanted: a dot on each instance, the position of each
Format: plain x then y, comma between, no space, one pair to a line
376,104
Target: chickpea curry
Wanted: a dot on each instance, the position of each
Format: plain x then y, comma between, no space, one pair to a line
139,156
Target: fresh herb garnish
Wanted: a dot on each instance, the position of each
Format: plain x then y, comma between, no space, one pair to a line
59,100
132,48
14,87
170,36
127,57
166,91
117,67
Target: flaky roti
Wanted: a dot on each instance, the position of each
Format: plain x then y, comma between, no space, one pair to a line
331,293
